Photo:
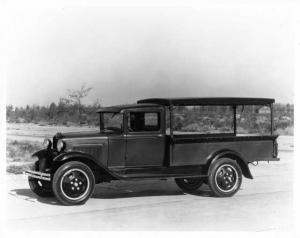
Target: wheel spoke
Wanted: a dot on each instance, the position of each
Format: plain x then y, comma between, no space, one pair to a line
70,176
221,173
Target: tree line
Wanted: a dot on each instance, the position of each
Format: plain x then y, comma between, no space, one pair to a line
69,113
70,110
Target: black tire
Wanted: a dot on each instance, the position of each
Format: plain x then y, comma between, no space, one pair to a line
225,177
189,184
40,187
73,183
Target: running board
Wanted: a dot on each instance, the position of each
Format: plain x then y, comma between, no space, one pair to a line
160,172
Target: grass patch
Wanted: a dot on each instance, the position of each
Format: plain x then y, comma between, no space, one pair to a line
21,151
18,169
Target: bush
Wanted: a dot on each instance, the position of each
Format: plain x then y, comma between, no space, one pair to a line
289,131
21,150
18,169
192,127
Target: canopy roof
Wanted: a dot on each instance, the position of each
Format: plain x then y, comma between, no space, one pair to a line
155,102
208,101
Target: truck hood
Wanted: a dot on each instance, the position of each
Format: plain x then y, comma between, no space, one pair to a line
92,143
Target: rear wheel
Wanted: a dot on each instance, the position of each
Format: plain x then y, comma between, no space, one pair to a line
73,183
225,177
189,184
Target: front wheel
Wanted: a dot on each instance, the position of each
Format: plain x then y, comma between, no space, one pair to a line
225,177
73,183
189,184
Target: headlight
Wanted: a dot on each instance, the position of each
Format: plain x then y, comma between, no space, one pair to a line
60,145
47,143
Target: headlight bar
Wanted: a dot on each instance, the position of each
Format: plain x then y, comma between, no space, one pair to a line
38,175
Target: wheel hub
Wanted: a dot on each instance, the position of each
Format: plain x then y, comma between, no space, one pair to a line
226,178
74,184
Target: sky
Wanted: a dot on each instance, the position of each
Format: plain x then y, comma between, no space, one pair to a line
126,53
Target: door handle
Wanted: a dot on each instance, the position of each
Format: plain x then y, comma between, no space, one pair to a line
160,135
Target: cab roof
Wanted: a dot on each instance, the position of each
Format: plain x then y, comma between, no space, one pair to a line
118,108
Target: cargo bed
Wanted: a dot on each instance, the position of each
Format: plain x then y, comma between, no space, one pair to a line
197,149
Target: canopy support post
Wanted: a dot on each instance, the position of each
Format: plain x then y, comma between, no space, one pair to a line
171,121
171,135
272,119
234,119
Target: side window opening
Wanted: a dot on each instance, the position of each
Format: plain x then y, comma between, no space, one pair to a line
250,120
144,121
253,120
203,120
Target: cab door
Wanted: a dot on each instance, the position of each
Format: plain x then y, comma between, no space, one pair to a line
146,139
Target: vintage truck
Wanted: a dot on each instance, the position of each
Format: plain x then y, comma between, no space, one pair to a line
149,140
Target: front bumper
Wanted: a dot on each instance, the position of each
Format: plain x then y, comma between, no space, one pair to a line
38,175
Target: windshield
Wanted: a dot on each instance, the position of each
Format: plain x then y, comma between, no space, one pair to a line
110,121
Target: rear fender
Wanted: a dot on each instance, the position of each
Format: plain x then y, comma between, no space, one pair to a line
231,155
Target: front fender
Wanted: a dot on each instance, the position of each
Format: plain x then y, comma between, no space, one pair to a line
73,154
44,159
232,155
82,157
44,153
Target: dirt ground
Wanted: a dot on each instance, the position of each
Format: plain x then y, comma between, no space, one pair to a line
262,204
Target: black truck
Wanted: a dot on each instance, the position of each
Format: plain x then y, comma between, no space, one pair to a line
149,139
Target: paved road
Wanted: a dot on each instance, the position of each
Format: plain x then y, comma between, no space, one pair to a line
264,203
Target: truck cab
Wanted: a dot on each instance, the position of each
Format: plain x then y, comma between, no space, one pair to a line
138,130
